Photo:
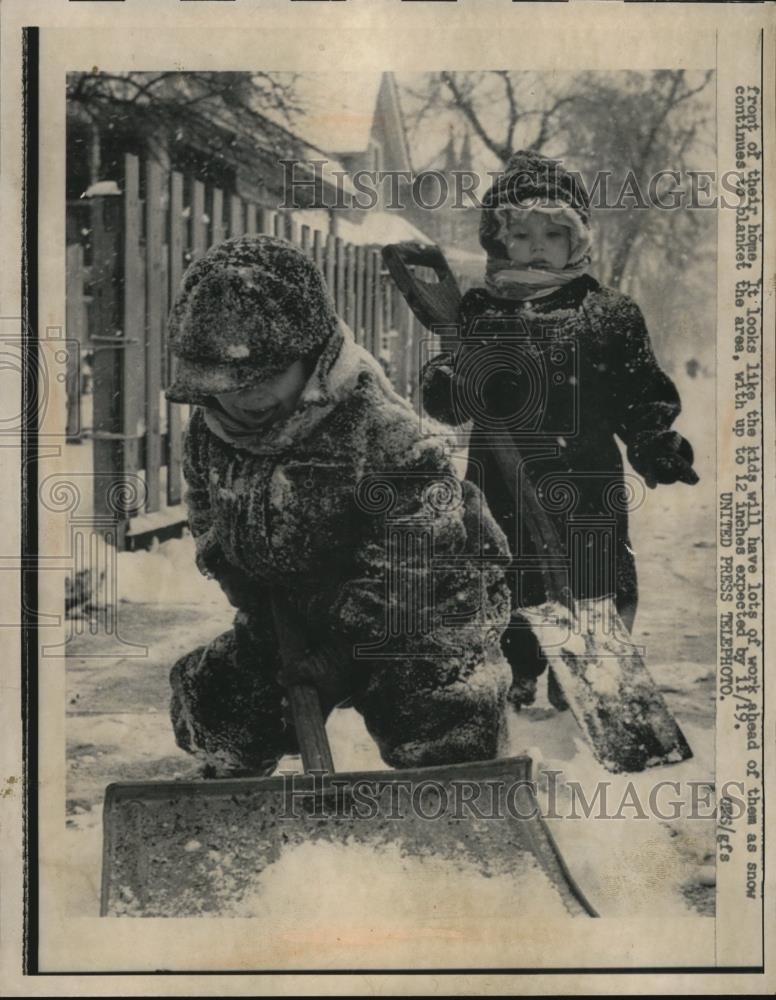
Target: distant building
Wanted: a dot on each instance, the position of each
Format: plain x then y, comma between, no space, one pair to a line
355,119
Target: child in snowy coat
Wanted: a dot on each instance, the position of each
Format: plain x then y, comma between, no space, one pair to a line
550,359
308,479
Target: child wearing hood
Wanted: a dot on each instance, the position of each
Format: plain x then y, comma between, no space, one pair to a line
309,480
557,363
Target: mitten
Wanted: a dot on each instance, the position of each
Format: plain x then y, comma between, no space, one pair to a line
501,394
240,590
326,667
438,390
324,661
209,555
662,457
483,382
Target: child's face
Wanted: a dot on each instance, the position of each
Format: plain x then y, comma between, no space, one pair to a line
534,240
268,401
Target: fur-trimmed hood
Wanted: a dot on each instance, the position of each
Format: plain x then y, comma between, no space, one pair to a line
531,181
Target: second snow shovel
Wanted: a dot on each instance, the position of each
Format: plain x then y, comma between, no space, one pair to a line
601,675
208,848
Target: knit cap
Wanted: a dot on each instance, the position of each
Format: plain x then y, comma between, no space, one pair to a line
245,311
532,182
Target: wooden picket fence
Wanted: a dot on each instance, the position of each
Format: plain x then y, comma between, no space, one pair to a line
139,243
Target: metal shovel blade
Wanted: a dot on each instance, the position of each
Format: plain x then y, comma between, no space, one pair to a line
184,849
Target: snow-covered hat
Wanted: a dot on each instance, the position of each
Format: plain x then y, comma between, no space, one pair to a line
535,183
245,311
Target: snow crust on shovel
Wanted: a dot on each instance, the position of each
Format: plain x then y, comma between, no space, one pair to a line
345,884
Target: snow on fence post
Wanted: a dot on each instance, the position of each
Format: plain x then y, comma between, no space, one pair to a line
388,321
154,310
389,317
267,224
413,347
198,224
75,329
377,304
236,224
403,322
339,296
306,240
217,232
318,250
330,266
118,329
164,298
350,287
177,244
358,309
131,382
369,293
250,218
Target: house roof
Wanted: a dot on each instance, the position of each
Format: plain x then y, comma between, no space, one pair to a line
337,110
395,110
377,228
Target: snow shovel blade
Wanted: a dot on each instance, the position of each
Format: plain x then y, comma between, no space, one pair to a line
605,683
202,848
434,303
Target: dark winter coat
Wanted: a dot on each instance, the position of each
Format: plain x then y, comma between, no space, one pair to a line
564,376
354,513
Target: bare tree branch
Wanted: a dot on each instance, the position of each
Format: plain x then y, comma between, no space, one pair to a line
514,113
547,117
467,108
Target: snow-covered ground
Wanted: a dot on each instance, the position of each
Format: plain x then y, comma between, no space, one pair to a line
118,727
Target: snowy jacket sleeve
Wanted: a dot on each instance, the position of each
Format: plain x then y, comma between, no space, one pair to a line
424,610
197,493
425,546
644,400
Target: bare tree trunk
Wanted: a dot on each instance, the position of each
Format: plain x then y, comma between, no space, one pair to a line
623,253
95,153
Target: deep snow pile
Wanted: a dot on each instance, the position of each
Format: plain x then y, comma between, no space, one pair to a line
399,892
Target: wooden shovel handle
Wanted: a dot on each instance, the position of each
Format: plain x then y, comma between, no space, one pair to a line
303,698
434,303
410,254
310,728
537,521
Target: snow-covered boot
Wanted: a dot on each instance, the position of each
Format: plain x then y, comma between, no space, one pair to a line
522,692
555,694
